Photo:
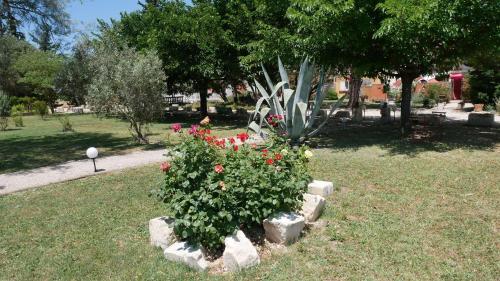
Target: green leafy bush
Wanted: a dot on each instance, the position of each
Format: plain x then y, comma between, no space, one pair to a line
484,85
332,94
40,107
27,102
417,99
435,91
65,123
214,186
222,109
17,115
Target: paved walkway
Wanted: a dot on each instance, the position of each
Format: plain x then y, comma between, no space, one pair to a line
22,180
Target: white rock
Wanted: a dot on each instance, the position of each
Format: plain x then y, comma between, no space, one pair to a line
161,232
312,207
321,188
284,228
190,255
239,252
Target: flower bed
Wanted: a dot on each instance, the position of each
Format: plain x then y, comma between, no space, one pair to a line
215,186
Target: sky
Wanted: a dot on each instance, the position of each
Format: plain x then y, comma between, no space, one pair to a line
84,14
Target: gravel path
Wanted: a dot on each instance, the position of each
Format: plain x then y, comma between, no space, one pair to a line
22,180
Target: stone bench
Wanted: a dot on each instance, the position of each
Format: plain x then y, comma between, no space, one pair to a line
481,119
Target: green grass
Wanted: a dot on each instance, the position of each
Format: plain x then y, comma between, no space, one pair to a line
41,142
402,210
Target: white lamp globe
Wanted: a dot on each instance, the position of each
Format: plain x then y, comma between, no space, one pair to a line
92,152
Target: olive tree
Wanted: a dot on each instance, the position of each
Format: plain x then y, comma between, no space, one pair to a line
128,84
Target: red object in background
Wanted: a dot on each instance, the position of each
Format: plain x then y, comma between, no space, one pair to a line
457,85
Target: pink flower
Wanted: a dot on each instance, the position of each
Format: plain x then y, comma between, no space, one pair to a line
176,127
194,129
219,169
165,166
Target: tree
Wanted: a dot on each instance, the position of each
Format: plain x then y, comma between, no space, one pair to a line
189,40
74,78
422,37
127,83
258,32
17,13
38,69
339,34
270,35
44,37
405,38
11,49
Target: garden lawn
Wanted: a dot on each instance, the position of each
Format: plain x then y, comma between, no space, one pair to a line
395,215
41,142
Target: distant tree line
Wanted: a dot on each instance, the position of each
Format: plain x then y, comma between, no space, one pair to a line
220,43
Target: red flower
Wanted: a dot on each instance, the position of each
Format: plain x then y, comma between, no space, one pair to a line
273,119
220,143
264,153
165,166
176,127
278,156
209,139
242,137
232,140
219,169
235,147
269,161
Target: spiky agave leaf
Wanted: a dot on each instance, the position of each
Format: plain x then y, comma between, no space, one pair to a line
283,74
299,121
303,83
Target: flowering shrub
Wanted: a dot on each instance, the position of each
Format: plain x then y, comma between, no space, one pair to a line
215,186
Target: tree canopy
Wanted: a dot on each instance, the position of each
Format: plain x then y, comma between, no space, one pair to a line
397,38
17,13
128,84
38,69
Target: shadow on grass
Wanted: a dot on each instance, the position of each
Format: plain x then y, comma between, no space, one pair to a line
34,152
442,138
218,121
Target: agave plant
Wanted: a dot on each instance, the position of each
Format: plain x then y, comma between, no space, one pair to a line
296,112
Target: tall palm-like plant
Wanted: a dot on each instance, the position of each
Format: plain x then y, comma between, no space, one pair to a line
289,111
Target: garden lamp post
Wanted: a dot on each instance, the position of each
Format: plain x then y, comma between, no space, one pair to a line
92,154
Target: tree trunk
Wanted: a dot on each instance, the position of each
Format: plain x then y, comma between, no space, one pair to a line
407,84
203,99
235,94
11,20
354,89
139,136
